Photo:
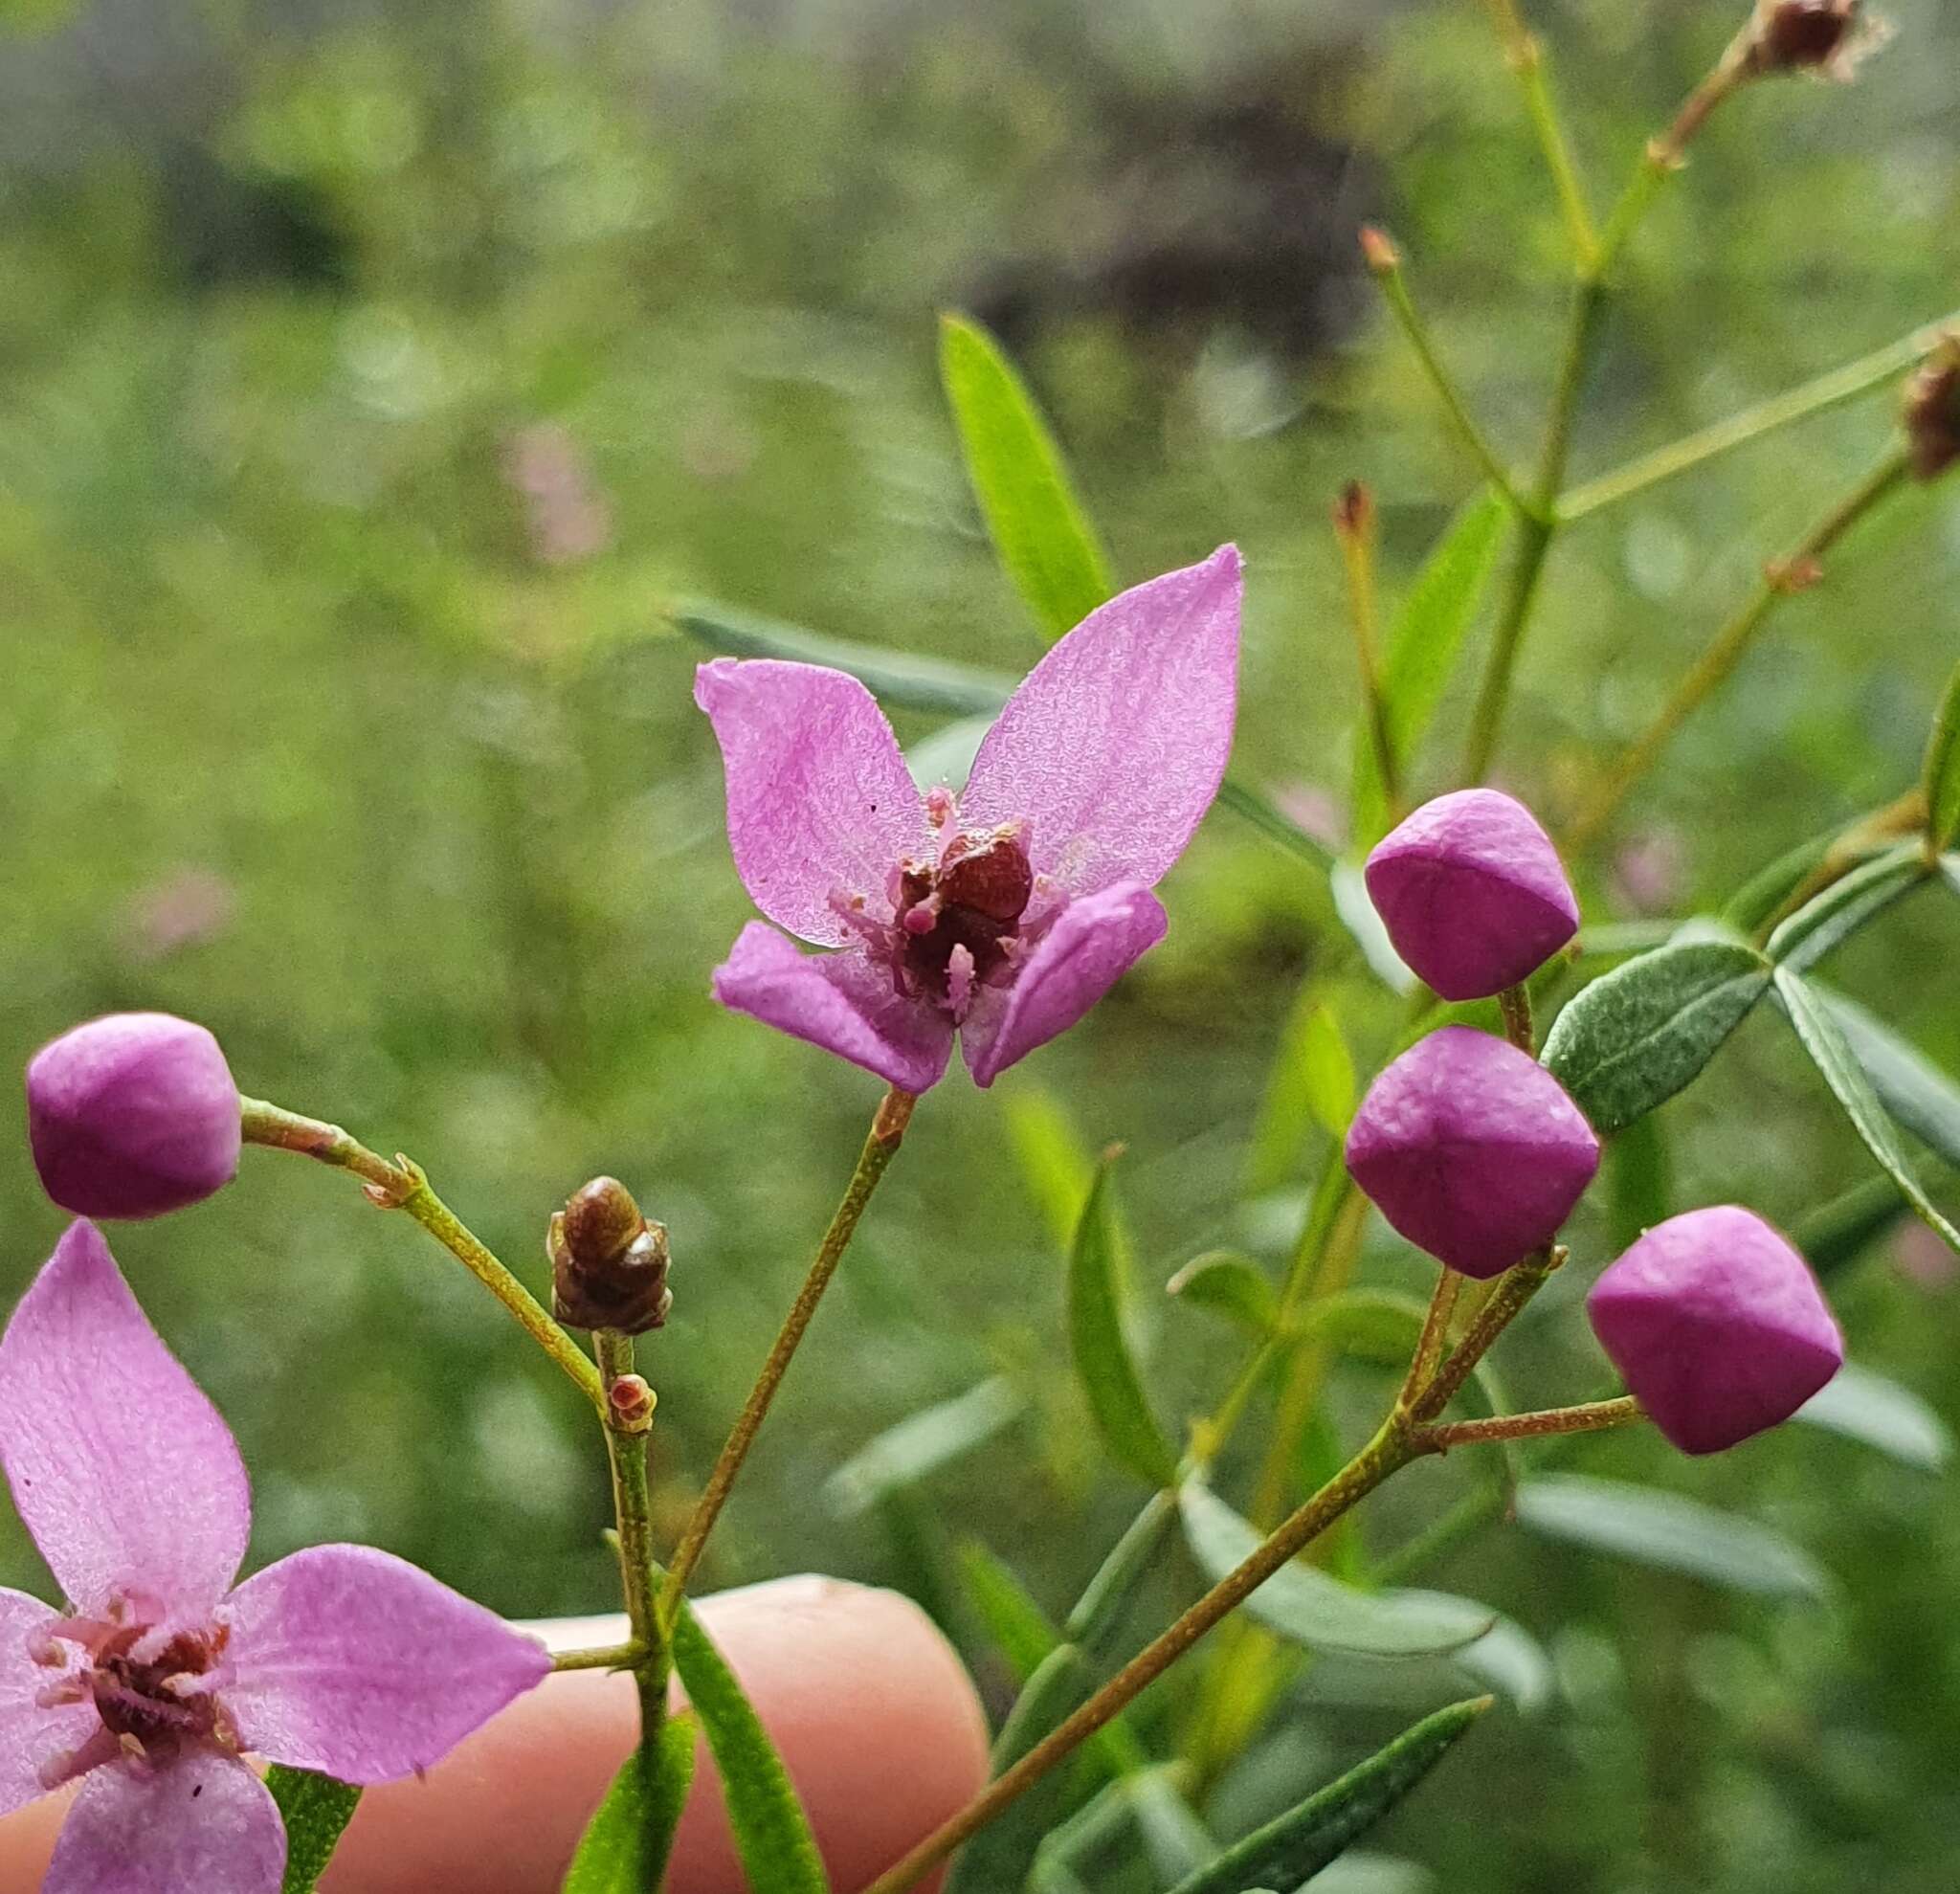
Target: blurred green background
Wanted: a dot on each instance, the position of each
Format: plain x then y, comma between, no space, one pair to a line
369,379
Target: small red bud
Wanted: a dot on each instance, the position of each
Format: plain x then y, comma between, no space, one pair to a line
631,1402
1378,250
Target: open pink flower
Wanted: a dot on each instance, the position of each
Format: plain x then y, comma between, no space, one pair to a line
159,1673
1005,913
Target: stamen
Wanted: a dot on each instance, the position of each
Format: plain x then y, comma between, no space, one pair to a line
939,805
959,983
60,1695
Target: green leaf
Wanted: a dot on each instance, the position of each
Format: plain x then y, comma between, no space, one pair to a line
1230,1284
316,1810
1909,1085
1300,1602
1096,1617
1508,1659
1879,1413
625,1847
1840,1230
1012,1618
1829,919
998,1857
1286,1852
771,1831
1311,1082
1637,1036
921,1443
1037,526
1423,646
1830,1052
1273,823
896,676
1103,1363
1175,1840
1667,1530
1356,912
1765,891
1640,1180
1942,773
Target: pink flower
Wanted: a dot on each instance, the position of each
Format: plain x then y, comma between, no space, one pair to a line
160,1674
1718,1327
1005,914
1471,1150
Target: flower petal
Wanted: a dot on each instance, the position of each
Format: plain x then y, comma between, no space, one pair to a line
202,1820
357,1663
121,1467
1115,743
840,1001
1092,944
30,1736
819,797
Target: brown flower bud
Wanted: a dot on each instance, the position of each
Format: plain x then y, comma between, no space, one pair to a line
633,1403
608,1264
1826,36
1933,411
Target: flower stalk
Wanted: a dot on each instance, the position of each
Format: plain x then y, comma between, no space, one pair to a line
629,1420
1795,571
1588,1417
882,1145
404,1186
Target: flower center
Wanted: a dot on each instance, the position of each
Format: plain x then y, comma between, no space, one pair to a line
956,920
150,1685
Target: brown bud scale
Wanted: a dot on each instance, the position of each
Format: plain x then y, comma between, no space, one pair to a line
608,1264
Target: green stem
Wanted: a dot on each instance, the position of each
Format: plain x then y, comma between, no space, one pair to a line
1354,526
626,1448
404,1186
1385,264
601,1656
1514,1289
1842,384
1361,1476
1526,58
881,1146
1793,572
1588,1417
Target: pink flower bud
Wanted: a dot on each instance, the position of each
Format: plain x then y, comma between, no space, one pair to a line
1717,1325
132,1115
1472,893
1471,1150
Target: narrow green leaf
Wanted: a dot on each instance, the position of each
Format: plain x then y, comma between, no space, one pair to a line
1286,1852
1640,1180
1356,912
921,1443
1175,1840
1667,1530
1012,1617
896,676
1840,1230
1230,1284
1054,1163
1097,1615
771,1831
1911,1087
1879,1413
1831,918
316,1810
1311,1082
625,1847
1823,1039
1766,890
1273,823
1942,775
1637,1036
1300,1602
997,1860
1037,526
1423,646
1508,1659
1103,1363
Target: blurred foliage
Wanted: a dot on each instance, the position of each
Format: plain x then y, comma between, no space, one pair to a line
368,380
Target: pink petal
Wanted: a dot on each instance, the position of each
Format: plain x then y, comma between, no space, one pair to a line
121,1470
201,1821
1094,943
819,797
355,1662
840,1001
30,1735
1115,743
